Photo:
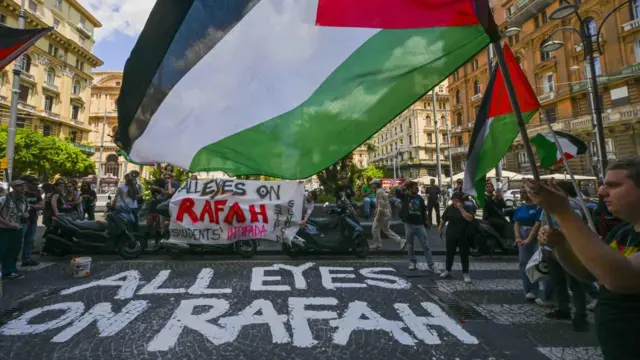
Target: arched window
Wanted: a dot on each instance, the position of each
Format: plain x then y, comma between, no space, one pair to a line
476,87
428,120
51,76
76,87
458,100
544,55
112,167
26,63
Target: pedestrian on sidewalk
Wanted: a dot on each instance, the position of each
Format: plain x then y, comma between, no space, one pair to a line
614,262
459,218
433,202
414,215
34,204
369,195
526,224
13,216
89,200
382,219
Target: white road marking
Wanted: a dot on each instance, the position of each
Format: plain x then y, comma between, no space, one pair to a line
572,353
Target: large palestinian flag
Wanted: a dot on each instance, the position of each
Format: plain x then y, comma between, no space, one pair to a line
496,126
285,88
14,42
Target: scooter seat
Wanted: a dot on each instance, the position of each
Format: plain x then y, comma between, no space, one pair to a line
90,225
324,223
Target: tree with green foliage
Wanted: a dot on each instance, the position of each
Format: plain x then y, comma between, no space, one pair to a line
45,156
330,177
157,172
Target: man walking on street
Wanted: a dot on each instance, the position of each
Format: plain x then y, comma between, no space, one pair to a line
381,222
414,215
35,203
433,202
13,215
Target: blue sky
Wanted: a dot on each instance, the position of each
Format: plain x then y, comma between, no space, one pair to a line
122,21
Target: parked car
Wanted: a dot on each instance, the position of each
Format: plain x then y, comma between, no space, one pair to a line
511,197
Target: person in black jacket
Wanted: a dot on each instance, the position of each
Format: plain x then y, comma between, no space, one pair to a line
414,216
459,217
493,211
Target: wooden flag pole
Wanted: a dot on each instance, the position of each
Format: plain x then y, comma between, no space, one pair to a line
583,205
513,99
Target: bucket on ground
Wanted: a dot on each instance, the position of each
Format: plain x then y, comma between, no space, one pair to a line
80,267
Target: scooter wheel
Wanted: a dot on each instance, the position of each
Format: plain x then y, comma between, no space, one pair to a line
129,251
292,251
246,248
361,247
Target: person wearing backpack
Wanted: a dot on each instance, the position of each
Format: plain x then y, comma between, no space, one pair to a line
13,216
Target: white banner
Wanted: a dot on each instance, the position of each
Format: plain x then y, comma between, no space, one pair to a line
223,211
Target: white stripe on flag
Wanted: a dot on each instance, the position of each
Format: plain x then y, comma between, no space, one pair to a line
469,182
270,62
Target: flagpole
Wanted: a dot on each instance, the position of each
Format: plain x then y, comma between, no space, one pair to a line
513,99
435,119
583,205
15,92
499,166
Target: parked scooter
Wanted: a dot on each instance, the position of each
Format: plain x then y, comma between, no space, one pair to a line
337,232
488,241
245,248
69,235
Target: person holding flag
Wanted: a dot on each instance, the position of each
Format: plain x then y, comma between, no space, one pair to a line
614,263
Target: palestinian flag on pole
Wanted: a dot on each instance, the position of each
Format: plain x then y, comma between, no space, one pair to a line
285,88
496,126
14,42
550,154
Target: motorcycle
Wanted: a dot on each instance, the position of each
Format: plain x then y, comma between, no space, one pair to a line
71,235
245,248
488,241
337,232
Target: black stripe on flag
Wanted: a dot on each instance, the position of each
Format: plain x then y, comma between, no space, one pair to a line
14,42
177,35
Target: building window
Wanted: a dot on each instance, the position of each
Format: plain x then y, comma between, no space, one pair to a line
33,7
458,100
46,130
596,63
25,64
118,83
76,87
56,23
75,111
592,29
58,4
83,22
550,114
543,15
53,50
455,75
459,119
48,103
608,144
544,55
51,76
476,87
536,22
24,93
3,19
636,9
548,83
523,159
72,136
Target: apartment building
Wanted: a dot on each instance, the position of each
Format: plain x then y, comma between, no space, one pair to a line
409,140
559,78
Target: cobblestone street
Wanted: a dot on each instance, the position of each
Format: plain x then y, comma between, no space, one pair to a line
275,308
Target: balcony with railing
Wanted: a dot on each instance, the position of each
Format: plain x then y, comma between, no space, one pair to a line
459,150
89,150
633,24
50,86
84,30
28,77
525,10
547,96
25,106
52,115
476,97
4,99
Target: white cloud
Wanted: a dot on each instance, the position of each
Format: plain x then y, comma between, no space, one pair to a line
125,16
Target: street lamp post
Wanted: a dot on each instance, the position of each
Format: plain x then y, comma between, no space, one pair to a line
437,128
104,124
15,92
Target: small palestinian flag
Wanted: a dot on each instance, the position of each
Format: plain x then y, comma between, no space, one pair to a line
14,42
496,126
285,88
550,154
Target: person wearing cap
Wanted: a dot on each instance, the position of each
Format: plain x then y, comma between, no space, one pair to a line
13,216
383,218
35,204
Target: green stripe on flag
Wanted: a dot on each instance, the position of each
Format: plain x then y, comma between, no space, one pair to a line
377,82
547,150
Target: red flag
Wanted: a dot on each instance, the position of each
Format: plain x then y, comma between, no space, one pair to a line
14,42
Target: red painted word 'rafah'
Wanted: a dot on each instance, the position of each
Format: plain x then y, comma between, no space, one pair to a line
214,210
